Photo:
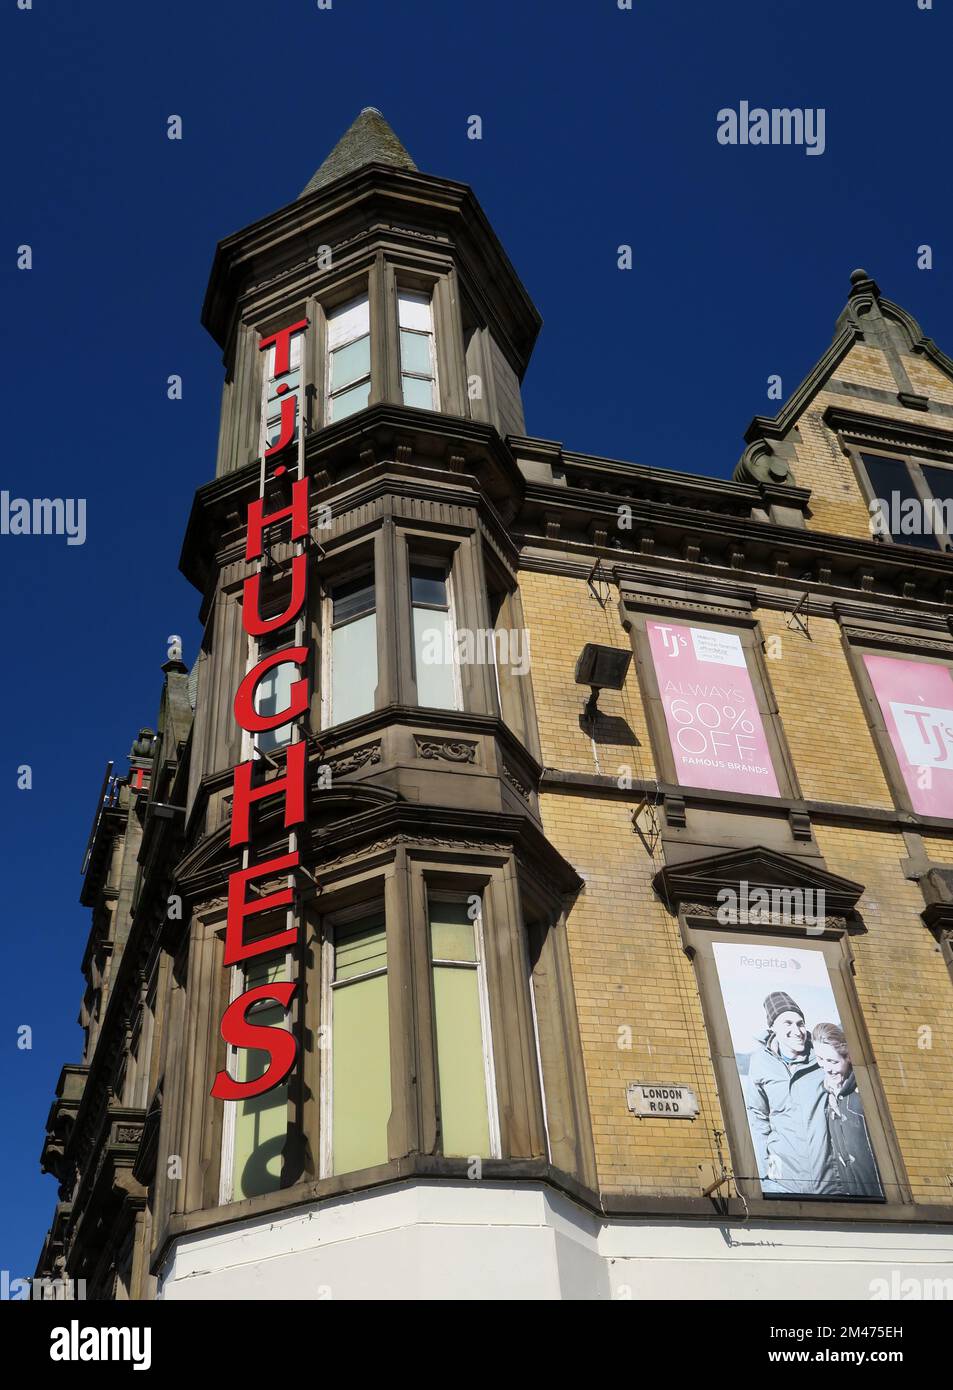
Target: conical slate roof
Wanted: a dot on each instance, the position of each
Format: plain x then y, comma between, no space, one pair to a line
369,140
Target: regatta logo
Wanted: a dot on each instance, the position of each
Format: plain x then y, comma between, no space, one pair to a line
44,516
769,963
484,646
753,125
746,906
75,1343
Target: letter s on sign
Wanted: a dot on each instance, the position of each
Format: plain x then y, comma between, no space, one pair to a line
280,1045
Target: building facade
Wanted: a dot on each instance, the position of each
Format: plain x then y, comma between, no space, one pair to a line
614,934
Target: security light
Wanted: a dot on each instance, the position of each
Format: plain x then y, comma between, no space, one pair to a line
601,668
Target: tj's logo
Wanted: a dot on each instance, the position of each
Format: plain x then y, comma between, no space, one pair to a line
936,736
671,640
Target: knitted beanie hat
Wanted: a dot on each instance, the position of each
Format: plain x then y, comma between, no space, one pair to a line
780,1003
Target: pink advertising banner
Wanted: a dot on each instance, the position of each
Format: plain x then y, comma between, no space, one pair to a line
916,699
714,725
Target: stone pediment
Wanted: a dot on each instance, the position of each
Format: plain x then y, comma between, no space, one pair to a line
701,880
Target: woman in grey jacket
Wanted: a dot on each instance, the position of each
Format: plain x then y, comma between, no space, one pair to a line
850,1141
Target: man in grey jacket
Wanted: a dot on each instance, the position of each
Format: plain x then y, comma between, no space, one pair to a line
786,1108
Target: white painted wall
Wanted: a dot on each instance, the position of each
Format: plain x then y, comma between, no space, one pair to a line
441,1240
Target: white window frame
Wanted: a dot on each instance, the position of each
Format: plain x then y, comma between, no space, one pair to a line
327,636
363,296
489,1069
429,334
329,925
417,561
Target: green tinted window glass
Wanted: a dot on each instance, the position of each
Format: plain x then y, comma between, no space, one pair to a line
417,392
353,668
415,352
292,380
350,401
350,363
353,598
451,931
359,951
360,1074
272,695
464,1118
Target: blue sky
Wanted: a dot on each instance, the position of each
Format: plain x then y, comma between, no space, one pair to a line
598,129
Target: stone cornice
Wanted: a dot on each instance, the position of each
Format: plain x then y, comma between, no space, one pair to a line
383,202
624,481
383,438
687,542
557,781
884,430
378,823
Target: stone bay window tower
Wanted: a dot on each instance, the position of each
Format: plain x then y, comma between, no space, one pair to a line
432,1006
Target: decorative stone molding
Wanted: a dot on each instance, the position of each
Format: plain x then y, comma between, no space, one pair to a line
697,883
766,919
896,639
493,845
354,760
127,1134
515,782
446,750
884,432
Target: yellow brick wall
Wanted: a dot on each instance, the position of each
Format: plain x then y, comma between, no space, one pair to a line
563,616
867,366
837,504
630,973
927,379
940,851
821,714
